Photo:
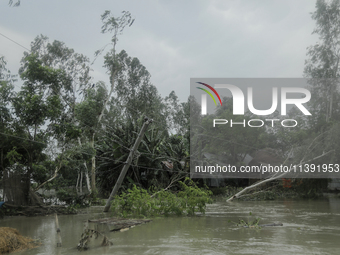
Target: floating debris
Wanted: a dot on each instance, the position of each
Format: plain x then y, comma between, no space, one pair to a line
266,225
118,224
11,240
87,235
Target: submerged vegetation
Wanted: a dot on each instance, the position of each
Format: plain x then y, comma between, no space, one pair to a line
138,202
248,223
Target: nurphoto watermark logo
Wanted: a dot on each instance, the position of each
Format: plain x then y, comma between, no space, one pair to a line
254,128
239,103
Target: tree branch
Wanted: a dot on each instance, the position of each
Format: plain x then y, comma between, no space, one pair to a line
274,177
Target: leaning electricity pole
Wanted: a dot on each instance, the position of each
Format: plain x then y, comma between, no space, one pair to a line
127,164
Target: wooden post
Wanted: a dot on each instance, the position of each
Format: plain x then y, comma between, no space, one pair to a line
58,231
127,164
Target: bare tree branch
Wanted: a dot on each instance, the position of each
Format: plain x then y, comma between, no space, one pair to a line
237,195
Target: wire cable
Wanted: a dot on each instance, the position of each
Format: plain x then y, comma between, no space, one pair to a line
15,42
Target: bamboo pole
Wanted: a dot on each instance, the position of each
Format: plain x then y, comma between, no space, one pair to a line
58,231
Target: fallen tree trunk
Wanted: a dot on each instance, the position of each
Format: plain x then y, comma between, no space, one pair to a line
57,168
275,177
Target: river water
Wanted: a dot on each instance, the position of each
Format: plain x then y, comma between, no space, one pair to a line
309,227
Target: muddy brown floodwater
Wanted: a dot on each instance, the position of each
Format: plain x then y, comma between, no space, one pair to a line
309,227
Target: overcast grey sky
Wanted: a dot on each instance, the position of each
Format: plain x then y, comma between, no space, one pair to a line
176,40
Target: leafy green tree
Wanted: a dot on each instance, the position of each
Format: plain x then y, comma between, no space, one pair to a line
6,119
115,26
322,70
36,105
322,65
23,117
55,76
134,94
176,115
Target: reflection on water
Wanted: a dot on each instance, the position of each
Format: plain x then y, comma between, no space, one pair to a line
309,227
